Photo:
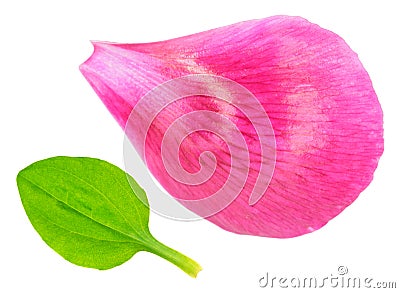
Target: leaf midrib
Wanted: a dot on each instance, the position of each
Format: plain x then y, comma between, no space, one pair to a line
138,240
97,190
83,235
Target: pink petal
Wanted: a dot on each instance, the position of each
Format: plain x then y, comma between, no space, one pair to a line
323,109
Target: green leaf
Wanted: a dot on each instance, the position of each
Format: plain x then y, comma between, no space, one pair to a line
88,212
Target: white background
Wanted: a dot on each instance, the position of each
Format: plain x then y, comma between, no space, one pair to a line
48,109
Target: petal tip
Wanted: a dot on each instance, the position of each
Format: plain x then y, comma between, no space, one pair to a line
97,45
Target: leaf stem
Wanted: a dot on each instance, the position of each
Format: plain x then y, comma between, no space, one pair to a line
183,262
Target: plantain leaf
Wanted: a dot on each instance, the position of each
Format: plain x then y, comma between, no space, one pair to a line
89,213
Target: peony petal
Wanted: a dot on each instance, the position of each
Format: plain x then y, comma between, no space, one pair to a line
324,112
